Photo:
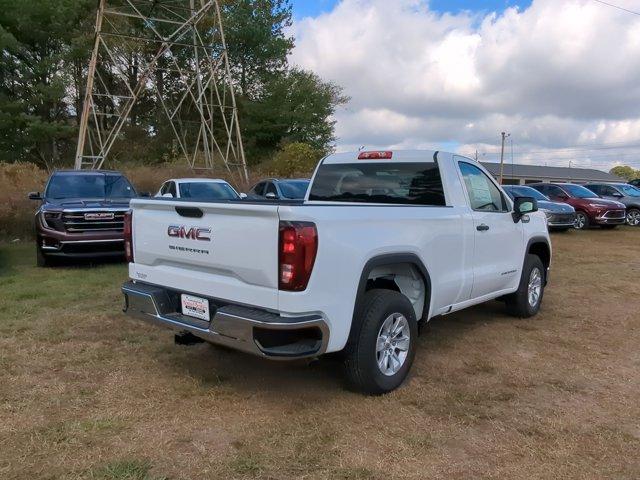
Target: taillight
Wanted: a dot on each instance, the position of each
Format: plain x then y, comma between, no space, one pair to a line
386,155
298,248
128,236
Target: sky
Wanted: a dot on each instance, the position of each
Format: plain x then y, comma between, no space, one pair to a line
561,76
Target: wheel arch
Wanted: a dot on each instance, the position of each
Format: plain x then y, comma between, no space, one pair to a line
388,260
541,247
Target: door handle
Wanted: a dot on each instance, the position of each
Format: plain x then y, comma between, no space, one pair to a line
482,227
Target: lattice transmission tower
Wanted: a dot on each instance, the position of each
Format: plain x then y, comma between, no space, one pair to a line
161,58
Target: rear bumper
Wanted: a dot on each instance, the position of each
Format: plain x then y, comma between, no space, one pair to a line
242,328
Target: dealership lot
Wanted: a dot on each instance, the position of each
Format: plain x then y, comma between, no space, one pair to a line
88,393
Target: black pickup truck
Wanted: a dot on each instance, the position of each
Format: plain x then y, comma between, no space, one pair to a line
81,215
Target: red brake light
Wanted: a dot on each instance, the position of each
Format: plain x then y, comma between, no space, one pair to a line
298,248
128,236
387,155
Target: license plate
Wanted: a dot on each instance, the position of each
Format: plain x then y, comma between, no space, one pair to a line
195,307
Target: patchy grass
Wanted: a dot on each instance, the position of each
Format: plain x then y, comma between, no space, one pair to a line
86,393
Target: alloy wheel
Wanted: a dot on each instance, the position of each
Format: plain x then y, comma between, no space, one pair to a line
633,218
392,346
534,288
580,222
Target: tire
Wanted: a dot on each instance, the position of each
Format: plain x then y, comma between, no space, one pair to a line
582,221
41,259
633,217
518,303
377,309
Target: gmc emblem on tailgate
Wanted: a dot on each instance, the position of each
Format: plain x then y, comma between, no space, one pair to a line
194,233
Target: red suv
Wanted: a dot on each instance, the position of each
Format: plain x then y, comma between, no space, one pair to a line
590,208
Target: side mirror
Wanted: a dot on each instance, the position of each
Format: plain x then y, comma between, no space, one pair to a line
35,196
522,206
145,194
243,196
618,195
562,197
167,195
271,196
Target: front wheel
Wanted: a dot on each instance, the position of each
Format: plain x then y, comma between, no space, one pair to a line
581,222
381,355
41,259
526,301
633,217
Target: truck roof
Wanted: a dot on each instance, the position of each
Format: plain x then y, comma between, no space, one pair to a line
88,172
382,156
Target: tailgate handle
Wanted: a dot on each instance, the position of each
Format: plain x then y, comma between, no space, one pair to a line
191,212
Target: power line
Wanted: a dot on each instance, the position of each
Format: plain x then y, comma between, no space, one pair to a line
617,6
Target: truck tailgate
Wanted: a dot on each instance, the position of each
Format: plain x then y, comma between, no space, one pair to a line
230,252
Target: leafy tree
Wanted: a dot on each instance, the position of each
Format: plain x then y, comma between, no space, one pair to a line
34,95
626,172
256,40
295,107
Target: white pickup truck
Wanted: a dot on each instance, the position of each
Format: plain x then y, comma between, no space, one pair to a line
383,241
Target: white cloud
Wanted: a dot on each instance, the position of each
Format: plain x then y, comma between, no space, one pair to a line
556,74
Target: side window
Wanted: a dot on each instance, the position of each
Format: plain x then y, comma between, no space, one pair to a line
271,188
606,190
165,188
554,192
258,189
483,193
597,189
172,189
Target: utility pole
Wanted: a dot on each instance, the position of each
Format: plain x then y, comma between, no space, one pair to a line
504,137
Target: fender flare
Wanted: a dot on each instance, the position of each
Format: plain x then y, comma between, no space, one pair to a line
380,261
540,239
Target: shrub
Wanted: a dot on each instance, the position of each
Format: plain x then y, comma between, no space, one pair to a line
295,159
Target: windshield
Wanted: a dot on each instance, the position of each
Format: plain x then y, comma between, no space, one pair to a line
294,189
208,191
525,192
579,192
73,185
629,190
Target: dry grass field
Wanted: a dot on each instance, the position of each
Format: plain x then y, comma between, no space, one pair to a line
86,393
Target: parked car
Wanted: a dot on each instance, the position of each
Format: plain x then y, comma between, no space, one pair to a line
560,216
204,189
81,215
621,192
590,208
274,189
384,240
635,183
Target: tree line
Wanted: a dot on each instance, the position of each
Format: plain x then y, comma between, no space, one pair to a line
46,45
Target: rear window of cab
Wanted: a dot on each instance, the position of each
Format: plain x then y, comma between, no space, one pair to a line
379,182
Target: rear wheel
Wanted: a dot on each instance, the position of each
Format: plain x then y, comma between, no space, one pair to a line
633,217
381,355
526,301
582,221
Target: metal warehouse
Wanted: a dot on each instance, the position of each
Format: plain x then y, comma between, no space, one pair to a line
518,174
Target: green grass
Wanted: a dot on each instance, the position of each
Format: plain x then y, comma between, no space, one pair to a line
123,470
30,293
